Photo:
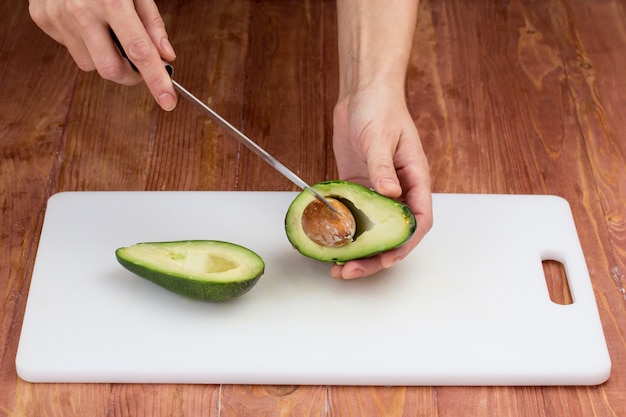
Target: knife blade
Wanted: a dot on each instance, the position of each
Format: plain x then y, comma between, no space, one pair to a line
249,143
236,133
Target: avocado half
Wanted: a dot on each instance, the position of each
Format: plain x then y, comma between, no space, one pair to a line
204,269
382,223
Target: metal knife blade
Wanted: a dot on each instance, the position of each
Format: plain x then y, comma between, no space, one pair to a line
245,140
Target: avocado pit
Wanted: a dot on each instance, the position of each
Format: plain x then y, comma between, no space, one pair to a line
327,228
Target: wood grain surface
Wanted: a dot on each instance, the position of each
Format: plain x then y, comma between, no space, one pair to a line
518,96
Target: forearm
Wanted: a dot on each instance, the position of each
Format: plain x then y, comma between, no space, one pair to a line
375,39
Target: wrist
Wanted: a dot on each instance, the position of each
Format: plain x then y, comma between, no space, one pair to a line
375,40
383,85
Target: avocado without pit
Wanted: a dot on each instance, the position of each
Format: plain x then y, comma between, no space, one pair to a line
203,269
367,224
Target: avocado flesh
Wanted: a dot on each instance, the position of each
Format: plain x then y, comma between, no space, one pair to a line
203,269
381,222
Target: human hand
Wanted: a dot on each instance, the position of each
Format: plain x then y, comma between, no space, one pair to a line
83,27
377,145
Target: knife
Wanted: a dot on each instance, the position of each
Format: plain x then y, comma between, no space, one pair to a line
236,133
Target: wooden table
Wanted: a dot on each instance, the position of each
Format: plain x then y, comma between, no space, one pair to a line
509,97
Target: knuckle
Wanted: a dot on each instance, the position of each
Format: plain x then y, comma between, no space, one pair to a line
157,22
110,70
45,15
117,74
84,64
38,14
385,165
74,8
140,50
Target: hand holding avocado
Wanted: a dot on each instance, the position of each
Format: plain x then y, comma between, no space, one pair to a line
375,139
387,157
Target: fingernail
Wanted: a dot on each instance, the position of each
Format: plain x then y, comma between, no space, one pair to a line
167,101
167,47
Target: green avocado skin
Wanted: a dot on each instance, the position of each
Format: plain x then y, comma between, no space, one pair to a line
372,211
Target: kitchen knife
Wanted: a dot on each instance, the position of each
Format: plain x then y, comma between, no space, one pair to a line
224,124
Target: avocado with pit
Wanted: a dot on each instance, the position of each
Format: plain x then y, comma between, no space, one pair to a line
362,224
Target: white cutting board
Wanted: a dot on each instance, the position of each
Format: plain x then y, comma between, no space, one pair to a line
469,306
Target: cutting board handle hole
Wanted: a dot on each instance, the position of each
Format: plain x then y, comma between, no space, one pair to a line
556,280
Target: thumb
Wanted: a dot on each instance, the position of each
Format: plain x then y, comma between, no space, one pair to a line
382,171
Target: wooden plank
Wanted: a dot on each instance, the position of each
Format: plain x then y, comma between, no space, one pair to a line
383,401
163,399
267,400
190,151
32,122
284,94
598,87
597,80
109,137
